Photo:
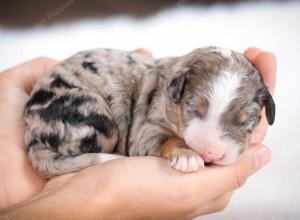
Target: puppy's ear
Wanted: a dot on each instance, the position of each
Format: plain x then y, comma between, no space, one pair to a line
270,107
176,86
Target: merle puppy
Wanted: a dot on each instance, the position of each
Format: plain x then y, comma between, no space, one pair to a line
200,107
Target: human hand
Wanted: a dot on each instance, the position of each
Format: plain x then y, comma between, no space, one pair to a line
132,177
139,188
18,179
265,62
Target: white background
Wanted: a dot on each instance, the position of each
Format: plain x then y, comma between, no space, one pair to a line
273,193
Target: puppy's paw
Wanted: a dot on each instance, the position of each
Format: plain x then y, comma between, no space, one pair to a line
185,160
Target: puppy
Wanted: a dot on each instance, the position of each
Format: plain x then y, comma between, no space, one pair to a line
198,108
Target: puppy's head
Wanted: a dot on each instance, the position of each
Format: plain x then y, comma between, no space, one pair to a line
219,95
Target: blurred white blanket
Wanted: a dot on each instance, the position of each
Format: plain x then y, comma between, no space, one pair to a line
273,193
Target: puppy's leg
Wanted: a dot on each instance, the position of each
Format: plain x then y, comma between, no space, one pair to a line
70,132
181,157
154,140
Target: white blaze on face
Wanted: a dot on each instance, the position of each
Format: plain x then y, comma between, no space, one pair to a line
223,92
204,136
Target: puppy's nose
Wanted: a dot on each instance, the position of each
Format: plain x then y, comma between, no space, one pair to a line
212,156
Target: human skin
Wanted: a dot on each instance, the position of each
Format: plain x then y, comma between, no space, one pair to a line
127,188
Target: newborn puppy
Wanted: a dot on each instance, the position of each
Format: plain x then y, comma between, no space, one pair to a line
198,108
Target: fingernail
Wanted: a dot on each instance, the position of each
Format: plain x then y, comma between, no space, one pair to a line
262,157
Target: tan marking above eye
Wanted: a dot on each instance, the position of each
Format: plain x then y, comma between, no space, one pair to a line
243,117
246,116
202,108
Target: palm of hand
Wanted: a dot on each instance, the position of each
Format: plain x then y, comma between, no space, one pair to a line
21,182
15,85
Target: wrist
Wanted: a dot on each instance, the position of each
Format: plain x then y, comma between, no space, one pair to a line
65,203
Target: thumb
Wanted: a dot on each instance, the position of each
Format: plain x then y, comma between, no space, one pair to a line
234,176
27,74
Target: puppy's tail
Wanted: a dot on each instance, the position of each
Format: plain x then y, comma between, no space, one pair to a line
48,164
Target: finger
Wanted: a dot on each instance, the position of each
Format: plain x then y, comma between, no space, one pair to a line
251,53
27,74
266,63
144,51
228,178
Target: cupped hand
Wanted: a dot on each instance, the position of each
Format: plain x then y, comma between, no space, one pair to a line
265,62
18,180
141,188
132,182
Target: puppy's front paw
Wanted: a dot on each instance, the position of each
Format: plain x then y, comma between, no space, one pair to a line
185,160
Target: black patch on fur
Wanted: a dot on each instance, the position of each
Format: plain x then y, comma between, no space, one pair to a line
89,66
151,96
40,97
132,109
90,145
32,143
101,123
270,107
59,82
131,114
55,110
109,98
176,88
51,139
131,61
256,99
163,139
77,101
59,110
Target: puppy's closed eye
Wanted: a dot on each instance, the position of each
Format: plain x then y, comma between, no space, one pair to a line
248,119
202,108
